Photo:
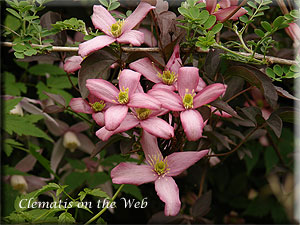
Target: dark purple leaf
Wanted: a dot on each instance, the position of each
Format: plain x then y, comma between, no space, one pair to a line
212,62
126,145
275,123
56,98
53,109
160,218
285,94
165,23
202,205
225,107
219,138
205,112
102,144
234,86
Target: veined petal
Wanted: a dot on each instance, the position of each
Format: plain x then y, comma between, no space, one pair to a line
188,78
102,19
72,64
86,145
103,89
192,124
94,44
224,3
142,100
114,116
99,118
158,127
137,16
211,5
201,85
209,94
164,86
168,99
129,122
174,62
223,13
147,68
129,79
180,161
168,192
150,146
79,127
149,38
80,105
134,37
130,173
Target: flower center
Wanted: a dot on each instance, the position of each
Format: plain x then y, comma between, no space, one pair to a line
123,96
143,113
97,106
188,101
168,77
217,7
116,28
159,165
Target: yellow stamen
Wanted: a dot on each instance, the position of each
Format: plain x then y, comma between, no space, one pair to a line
116,28
168,77
159,165
217,7
123,96
143,113
97,106
188,100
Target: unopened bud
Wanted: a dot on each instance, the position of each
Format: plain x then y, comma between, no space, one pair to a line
17,110
19,183
71,141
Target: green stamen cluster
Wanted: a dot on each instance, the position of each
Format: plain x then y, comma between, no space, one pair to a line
188,101
123,96
159,165
97,106
143,113
116,28
168,77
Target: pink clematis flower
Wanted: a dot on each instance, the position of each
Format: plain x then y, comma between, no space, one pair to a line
293,30
121,98
146,119
159,170
120,31
95,106
72,64
187,101
224,8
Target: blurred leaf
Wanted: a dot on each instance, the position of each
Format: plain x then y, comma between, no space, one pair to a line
275,123
97,178
210,22
48,187
267,26
9,104
271,159
133,190
43,69
251,162
66,218
202,205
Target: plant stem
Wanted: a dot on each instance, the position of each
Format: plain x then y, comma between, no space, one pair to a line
72,83
236,95
106,207
78,115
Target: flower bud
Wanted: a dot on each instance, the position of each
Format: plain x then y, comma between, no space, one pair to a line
19,183
17,110
71,141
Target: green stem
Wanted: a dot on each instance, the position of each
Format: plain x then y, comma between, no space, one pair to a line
251,18
78,115
106,207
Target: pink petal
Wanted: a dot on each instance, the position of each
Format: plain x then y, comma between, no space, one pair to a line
35,182
79,127
57,128
147,68
102,19
26,164
130,173
224,3
142,100
192,124
201,85
57,154
293,30
209,94
94,44
168,192
149,38
129,122
188,78
99,118
72,64
222,113
234,2
114,116
137,16
174,62
86,145
223,13
168,99
164,86
158,127
80,105
211,5
133,37
129,79
103,89
150,146
180,161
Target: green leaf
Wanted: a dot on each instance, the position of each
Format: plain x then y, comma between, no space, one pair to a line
30,52
10,104
97,178
43,69
278,70
203,16
194,12
271,159
96,192
217,28
183,11
76,164
259,32
12,171
252,4
13,12
75,180
210,22
258,208
294,13
267,26
255,151
104,2
19,47
66,218
278,21
12,22
244,18
8,146
270,72
48,187
61,82
113,6
20,202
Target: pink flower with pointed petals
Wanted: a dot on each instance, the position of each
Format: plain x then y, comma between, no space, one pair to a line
224,8
72,64
120,31
187,101
94,106
159,170
121,98
146,119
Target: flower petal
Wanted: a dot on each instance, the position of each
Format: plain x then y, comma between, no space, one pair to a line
168,192
147,68
149,38
150,146
72,64
79,127
134,37
158,127
164,86
57,154
220,113
211,5
188,78
224,3
102,89
201,85
26,164
99,118
192,124
130,173
223,13
168,99
86,145
180,161
174,62
129,79
137,16
94,44
80,105
102,19
142,100
114,116
209,94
